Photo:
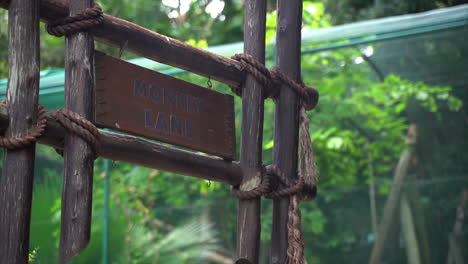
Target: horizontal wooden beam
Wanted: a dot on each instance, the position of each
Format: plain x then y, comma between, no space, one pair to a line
146,153
121,33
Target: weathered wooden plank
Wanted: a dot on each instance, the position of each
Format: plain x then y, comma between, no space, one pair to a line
143,102
78,154
248,218
146,153
22,96
118,32
288,41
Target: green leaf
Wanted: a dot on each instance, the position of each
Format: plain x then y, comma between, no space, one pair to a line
335,143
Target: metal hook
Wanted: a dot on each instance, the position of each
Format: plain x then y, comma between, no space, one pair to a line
122,48
210,85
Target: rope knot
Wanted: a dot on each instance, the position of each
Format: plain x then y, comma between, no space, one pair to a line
78,125
305,189
259,71
70,25
36,132
272,79
257,192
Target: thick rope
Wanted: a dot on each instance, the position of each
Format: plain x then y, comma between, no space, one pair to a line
25,141
307,166
295,251
260,73
272,79
70,25
263,188
301,189
308,95
71,121
78,125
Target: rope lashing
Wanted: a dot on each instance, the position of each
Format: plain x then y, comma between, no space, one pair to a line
300,187
78,125
70,25
263,188
272,79
260,73
71,121
25,141
308,95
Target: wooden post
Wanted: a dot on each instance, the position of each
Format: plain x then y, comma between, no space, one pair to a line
78,155
288,43
22,96
248,221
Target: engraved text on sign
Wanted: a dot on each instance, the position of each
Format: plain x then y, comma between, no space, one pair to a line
146,103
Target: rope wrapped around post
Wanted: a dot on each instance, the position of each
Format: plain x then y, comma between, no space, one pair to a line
25,141
304,188
70,25
78,125
71,121
301,190
272,79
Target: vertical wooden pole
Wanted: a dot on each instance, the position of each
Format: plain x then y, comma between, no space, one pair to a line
248,223
22,96
288,44
78,155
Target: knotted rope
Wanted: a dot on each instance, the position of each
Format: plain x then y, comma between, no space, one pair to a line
71,121
25,141
272,79
300,190
78,125
304,188
259,71
263,188
70,25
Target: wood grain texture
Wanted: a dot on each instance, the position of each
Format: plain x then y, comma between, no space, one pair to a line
78,154
138,151
288,41
139,40
248,219
22,96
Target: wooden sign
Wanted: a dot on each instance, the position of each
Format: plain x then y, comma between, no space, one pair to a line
146,103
